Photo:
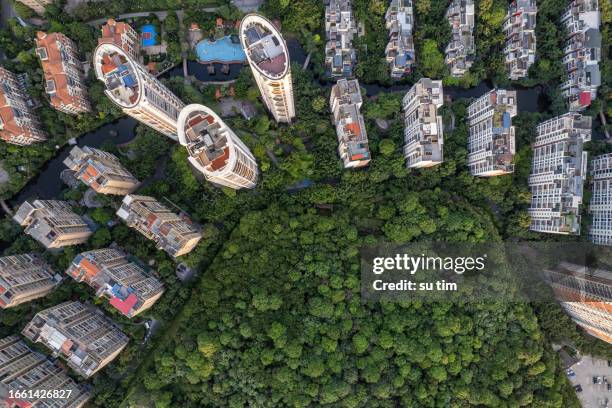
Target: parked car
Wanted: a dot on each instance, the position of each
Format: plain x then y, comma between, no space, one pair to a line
578,388
599,380
594,380
570,373
609,363
609,387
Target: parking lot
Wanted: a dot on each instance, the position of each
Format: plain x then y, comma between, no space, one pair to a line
593,395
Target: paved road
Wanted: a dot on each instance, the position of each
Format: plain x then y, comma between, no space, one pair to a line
6,12
160,14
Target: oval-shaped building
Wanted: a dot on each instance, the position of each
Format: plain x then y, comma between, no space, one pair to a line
215,150
138,93
268,57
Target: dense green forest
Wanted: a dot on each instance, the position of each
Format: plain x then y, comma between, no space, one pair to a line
274,317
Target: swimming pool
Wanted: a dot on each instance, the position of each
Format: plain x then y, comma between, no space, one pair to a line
149,35
223,50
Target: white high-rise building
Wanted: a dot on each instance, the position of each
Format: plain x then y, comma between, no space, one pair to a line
135,90
557,175
423,133
461,50
600,205
519,30
400,52
215,150
491,135
340,27
268,57
345,101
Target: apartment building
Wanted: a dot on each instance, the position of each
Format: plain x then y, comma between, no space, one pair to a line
19,124
557,175
519,30
23,278
129,286
122,35
491,134
582,53
22,369
215,150
63,72
138,93
400,53
268,57
461,50
52,223
423,130
600,205
101,171
345,102
586,295
79,333
37,5
340,27
174,234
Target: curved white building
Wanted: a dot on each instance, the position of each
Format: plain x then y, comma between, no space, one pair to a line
268,57
138,93
215,150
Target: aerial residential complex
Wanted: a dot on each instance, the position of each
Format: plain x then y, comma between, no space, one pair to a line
558,172
600,205
63,73
345,102
86,338
268,56
52,223
122,35
582,53
215,150
37,5
461,50
118,277
19,124
585,294
101,171
423,133
491,134
400,52
175,235
340,27
22,369
23,278
135,91
519,29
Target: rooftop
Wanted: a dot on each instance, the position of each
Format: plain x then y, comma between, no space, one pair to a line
264,46
118,73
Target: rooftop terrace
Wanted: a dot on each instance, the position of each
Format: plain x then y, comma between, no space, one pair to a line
264,46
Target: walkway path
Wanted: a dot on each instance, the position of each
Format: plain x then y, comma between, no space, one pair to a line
160,14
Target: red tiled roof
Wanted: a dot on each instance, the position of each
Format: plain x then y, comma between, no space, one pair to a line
124,306
585,98
353,128
220,161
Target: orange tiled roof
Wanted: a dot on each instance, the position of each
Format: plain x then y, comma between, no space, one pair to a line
112,33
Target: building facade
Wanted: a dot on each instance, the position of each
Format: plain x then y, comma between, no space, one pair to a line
519,30
138,93
423,130
81,334
215,150
558,171
52,223
340,27
491,134
582,53
22,369
63,71
175,235
19,124
461,50
101,171
400,53
119,278
600,205
345,102
122,35
268,57
586,295
23,278
37,5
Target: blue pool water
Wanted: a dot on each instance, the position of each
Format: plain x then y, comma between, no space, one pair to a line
223,50
149,35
